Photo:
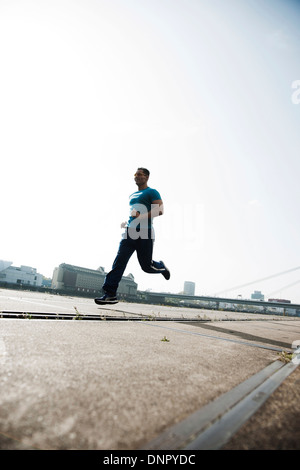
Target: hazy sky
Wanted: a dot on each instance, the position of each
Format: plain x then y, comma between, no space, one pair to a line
204,93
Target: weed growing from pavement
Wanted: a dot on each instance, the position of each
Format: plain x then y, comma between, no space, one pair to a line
78,315
165,339
285,357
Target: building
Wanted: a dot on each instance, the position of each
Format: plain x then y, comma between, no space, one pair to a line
71,278
189,288
22,276
257,295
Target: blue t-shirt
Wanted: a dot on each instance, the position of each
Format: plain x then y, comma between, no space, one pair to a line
141,201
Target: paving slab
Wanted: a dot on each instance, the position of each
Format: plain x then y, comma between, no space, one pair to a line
118,384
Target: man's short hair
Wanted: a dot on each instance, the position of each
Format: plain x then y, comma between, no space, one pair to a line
144,170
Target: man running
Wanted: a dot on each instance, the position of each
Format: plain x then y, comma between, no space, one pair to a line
145,204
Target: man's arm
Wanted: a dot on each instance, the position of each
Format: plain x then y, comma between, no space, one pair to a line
157,209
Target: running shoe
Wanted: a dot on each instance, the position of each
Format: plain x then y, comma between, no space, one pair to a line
106,299
166,273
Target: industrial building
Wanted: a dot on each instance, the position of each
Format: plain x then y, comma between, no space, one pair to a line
257,295
19,276
67,277
189,288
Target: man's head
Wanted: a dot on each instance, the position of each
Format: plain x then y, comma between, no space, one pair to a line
141,177
145,171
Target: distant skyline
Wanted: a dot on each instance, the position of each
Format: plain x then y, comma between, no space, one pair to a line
206,94
189,286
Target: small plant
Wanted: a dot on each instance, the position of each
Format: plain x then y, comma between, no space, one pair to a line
151,318
285,357
165,339
78,315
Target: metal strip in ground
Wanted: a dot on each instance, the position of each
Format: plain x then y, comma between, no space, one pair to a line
219,433
82,316
96,317
178,436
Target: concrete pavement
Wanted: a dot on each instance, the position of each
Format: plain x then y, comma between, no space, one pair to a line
119,384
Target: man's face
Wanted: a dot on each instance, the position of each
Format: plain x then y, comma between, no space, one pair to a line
140,178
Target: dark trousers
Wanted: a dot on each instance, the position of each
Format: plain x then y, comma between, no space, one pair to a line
144,249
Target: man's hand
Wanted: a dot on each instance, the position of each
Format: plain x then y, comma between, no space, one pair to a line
135,213
157,208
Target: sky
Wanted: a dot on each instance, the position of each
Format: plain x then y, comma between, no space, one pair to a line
203,93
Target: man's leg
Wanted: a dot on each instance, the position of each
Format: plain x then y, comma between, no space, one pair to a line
113,278
144,253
